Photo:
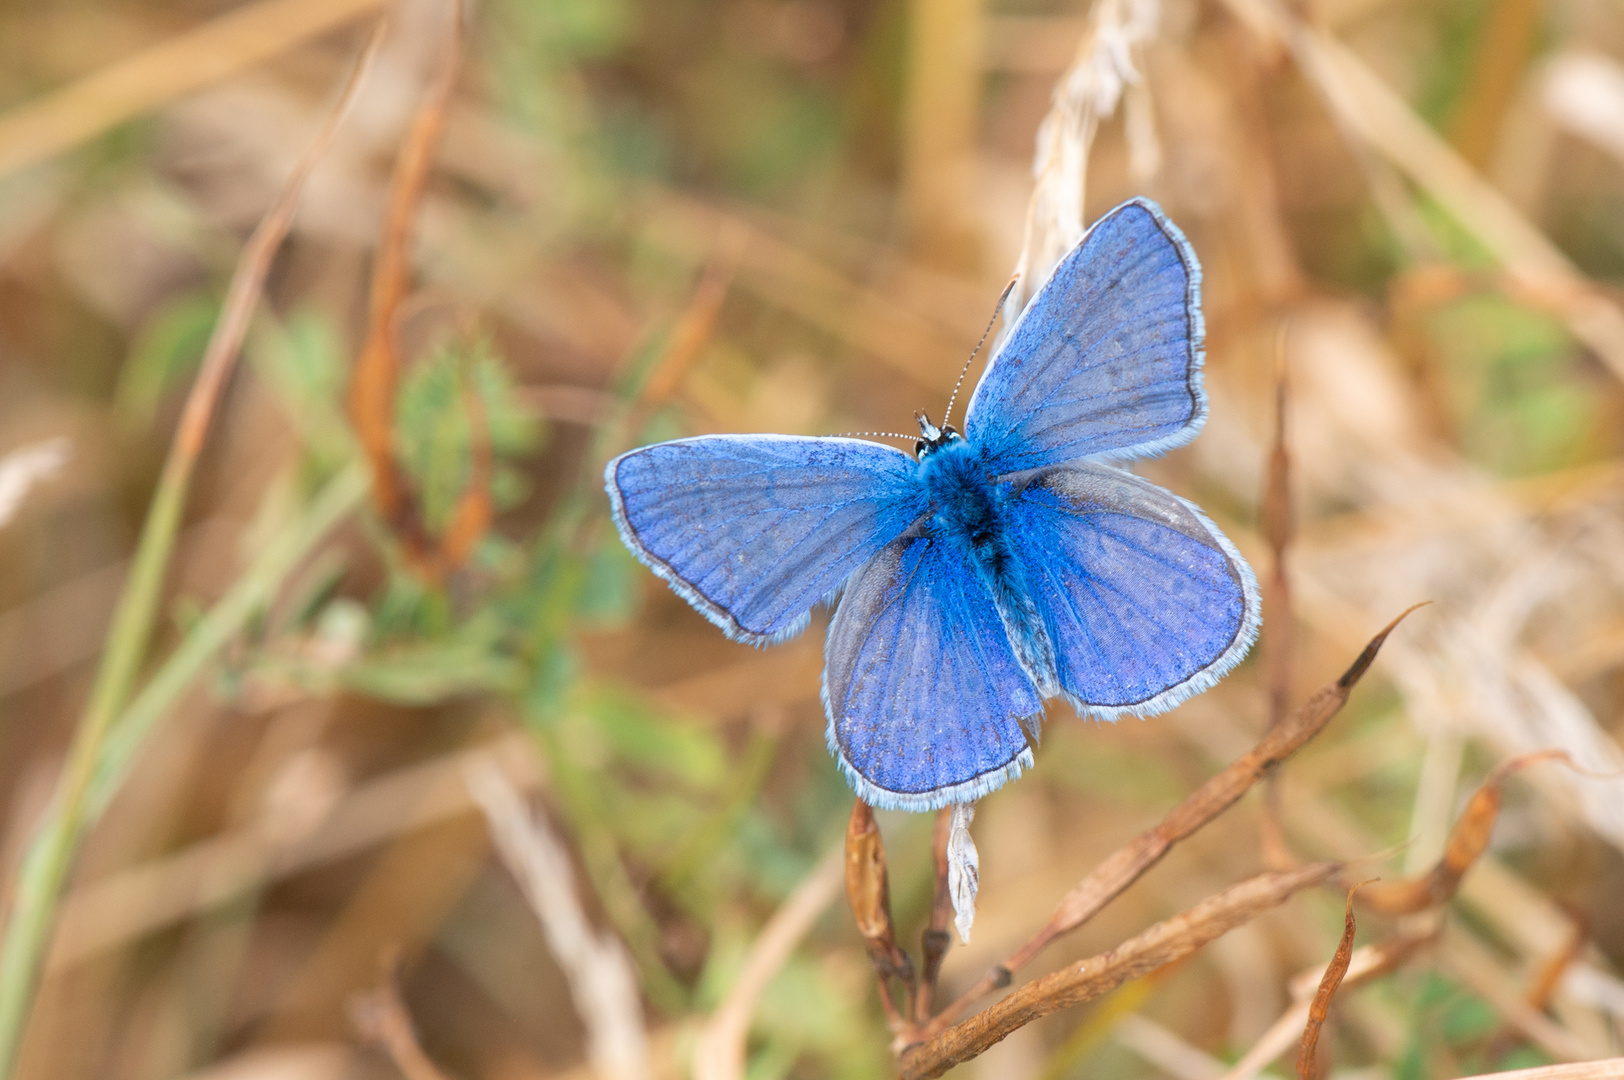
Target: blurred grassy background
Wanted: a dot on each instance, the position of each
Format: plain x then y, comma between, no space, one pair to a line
856,175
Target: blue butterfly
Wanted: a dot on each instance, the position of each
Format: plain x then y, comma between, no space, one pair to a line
992,570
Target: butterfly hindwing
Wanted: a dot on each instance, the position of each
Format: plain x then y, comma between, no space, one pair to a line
754,530
923,691
1146,601
1106,359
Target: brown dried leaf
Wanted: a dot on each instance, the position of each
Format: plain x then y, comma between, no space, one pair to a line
1320,1007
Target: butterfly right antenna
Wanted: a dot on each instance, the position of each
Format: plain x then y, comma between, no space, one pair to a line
948,412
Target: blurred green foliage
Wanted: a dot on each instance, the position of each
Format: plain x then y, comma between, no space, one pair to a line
1518,391
1450,1028
437,425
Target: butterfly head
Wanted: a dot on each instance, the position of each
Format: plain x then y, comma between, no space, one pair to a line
931,437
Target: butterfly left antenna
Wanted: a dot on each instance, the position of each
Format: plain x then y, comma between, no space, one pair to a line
875,434
948,412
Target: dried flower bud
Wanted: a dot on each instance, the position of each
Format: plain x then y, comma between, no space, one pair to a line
963,869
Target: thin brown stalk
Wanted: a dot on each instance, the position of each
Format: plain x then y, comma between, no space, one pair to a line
471,517
1276,522
1320,1008
1542,988
1279,626
1366,964
1549,976
1476,967
868,890
376,380
1128,863
698,323
1167,941
935,939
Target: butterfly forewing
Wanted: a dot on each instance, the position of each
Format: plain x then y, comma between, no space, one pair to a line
1106,358
755,530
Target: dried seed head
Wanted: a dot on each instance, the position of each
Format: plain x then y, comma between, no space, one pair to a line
963,869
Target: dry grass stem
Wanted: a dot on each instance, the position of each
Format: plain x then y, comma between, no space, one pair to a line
1543,986
54,845
719,1050
1164,1049
550,233
376,378
1277,523
217,50
1382,120
1475,967
602,980
698,322
1088,92
1364,965
934,939
189,882
1163,943
1606,1069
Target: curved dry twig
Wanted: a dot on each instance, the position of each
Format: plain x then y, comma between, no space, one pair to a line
719,1052
602,980
1320,1008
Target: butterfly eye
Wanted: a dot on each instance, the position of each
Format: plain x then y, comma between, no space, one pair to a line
919,448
